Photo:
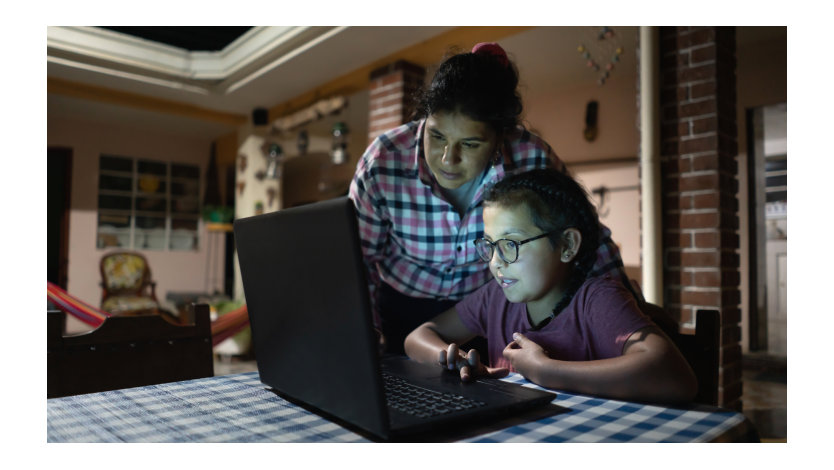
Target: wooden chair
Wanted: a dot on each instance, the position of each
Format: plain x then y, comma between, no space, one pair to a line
701,349
127,287
127,351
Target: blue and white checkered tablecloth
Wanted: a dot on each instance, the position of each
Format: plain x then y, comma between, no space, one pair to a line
239,408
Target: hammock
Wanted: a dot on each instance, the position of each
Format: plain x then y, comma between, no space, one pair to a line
222,328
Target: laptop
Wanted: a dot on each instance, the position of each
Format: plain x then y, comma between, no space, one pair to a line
313,337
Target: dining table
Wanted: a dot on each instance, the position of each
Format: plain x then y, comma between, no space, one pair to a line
240,408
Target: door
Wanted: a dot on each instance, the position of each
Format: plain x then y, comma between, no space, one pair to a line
58,181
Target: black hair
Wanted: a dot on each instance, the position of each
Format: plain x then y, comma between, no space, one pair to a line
555,202
481,86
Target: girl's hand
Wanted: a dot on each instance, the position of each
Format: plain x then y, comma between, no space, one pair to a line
524,355
469,364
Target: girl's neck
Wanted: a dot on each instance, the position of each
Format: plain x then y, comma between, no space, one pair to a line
541,311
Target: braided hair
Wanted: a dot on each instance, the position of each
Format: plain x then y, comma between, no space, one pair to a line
556,202
480,85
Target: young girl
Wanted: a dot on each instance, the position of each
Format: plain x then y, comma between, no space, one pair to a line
544,317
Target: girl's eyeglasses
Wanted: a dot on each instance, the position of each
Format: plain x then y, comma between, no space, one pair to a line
507,249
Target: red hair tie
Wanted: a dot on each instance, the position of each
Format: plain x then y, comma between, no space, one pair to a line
492,48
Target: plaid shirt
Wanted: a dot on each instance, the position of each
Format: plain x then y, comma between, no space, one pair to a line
412,237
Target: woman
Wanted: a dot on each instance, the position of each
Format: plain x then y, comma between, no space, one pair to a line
418,189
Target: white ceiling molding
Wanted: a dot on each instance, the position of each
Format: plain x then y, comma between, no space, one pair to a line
107,52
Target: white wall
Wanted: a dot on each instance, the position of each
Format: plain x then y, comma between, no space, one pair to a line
172,270
557,113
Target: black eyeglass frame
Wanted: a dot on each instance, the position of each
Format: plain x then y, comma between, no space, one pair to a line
478,242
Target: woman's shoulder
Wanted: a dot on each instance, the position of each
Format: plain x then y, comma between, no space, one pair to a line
391,152
529,150
403,137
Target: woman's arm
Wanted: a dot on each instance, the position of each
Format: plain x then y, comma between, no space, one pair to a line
437,340
650,369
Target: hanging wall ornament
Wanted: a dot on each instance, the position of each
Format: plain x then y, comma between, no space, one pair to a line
601,53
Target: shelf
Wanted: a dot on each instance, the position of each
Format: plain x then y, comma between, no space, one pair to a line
218,227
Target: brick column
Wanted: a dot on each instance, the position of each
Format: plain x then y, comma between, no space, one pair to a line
700,209
392,89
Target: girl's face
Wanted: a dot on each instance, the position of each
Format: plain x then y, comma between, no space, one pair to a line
457,148
538,276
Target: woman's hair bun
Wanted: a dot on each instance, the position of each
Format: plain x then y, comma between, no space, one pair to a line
492,48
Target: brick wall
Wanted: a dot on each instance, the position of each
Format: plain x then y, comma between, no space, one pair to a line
699,183
392,89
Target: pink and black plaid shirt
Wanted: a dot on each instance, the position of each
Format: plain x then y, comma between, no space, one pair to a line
412,238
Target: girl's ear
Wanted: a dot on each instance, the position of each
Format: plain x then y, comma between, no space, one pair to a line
571,241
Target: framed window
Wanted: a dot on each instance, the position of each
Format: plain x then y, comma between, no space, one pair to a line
147,204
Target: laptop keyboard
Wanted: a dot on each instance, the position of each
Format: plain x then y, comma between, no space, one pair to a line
421,402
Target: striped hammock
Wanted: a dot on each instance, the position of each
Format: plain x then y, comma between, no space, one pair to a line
222,328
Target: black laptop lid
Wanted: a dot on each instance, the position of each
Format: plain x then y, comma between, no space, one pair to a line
307,297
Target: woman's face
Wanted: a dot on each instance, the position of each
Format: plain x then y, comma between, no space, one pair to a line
538,276
457,148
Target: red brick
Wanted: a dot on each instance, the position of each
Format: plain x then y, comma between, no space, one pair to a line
711,239
700,259
698,144
710,278
683,93
697,73
682,128
703,54
709,200
698,108
701,298
699,182
704,125
700,220
706,162
705,35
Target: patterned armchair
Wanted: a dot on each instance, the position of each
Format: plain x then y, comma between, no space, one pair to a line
127,285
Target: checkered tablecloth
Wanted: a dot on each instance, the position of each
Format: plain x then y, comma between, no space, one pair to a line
239,408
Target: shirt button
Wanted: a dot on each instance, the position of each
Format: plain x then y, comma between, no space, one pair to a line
460,247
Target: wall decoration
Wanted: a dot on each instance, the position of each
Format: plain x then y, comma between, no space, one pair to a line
602,53
274,155
270,192
303,142
590,131
338,152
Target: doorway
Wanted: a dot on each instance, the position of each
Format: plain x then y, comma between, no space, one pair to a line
767,186
58,184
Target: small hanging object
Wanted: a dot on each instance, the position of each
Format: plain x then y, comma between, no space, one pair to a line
303,142
273,160
270,192
590,132
338,152
241,162
240,186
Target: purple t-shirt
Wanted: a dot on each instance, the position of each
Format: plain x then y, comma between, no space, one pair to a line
595,324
